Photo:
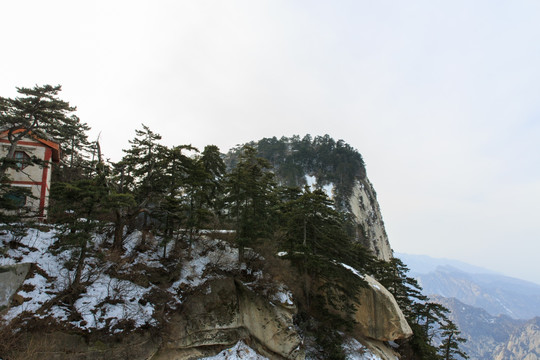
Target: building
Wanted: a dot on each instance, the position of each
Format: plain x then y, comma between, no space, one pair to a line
28,174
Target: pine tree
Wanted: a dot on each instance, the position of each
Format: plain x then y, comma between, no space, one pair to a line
138,173
249,188
78,206
425,318
214,169
176,170
449,349
38,111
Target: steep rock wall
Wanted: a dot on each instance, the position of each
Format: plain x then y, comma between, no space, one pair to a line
370,226
524,344
227,312
378,315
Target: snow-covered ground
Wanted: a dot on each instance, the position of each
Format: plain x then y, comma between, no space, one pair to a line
356,351
238,352
112,302
107,301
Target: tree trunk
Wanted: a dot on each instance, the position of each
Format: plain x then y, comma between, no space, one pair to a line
80,267
13,140
118,232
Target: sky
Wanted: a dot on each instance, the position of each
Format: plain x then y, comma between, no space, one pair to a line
441,98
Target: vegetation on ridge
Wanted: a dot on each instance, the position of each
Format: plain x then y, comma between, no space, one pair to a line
176,193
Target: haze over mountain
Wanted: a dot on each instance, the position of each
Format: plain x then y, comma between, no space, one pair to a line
494,337
497,294
497,314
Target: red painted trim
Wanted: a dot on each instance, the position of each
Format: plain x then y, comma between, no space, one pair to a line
22,142
25,182
44,188
51,144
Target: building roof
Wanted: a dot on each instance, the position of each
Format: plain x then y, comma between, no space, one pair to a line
51,144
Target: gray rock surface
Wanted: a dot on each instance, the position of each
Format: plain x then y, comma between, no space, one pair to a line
11,278
378,314
367,214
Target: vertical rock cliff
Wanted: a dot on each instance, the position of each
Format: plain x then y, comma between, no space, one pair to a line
367,214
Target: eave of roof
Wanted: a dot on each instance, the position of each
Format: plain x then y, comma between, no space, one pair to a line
54,146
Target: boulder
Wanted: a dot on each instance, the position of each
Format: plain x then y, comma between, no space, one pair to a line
378,315
225,312
270,324
11,278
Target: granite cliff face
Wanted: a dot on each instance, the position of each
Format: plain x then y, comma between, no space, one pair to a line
524,343
378,315
367,214
226,313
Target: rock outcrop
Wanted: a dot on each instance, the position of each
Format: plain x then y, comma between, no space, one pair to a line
227,312
365,208
378,314
524,344
11,278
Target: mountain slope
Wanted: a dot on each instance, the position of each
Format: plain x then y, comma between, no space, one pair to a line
334,166
484,332
497,294
524,344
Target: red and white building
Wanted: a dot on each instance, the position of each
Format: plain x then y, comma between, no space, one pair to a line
35,177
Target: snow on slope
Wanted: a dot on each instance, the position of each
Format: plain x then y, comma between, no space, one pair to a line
352,348
104,304
239,352
107,301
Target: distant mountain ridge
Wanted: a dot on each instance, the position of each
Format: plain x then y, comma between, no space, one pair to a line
497,314
488,335
497,294
423,264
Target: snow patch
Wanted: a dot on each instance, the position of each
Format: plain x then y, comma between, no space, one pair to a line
353,270
283,296
239,352
108,301
356,351
311,181
205,252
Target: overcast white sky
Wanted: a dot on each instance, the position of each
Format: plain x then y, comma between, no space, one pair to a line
442,98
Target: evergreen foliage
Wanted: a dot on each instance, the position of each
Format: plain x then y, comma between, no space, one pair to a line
175,192
428,320
449,348
317,244
249,199
330,161
38,111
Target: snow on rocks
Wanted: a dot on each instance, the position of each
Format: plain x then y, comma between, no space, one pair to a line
205,252
239,352
34,295
283,296
353,270
104,304
356,351
107,301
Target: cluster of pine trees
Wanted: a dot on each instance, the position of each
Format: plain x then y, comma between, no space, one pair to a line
257,190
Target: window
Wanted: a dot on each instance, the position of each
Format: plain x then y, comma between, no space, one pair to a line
15,200
22,159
